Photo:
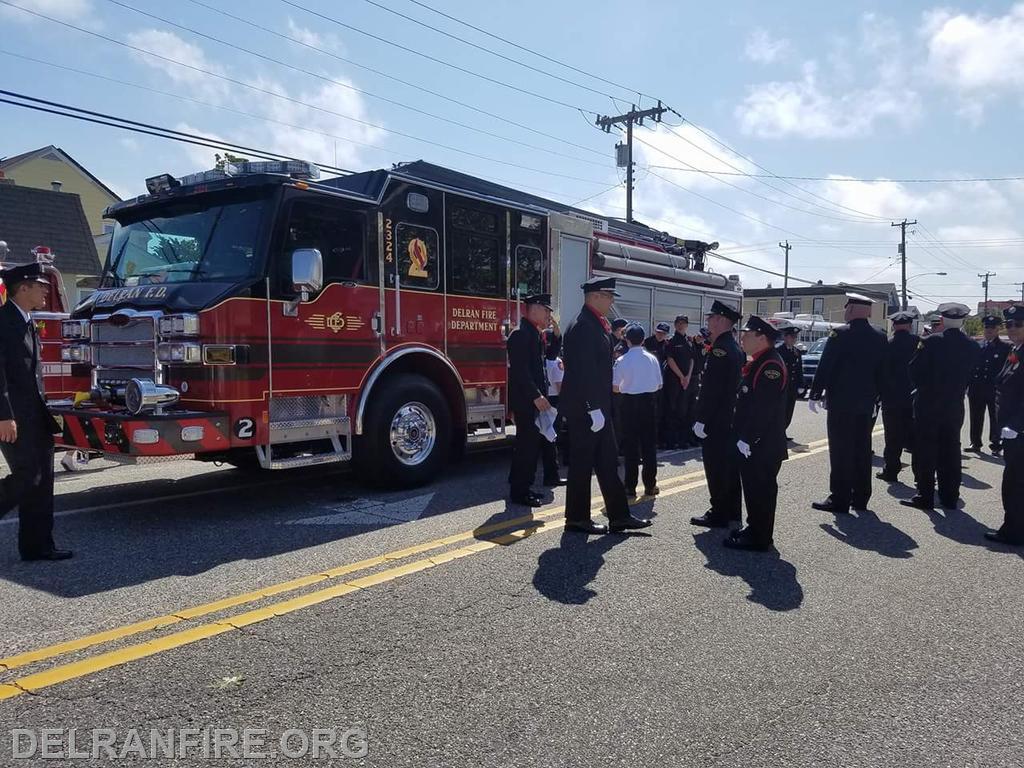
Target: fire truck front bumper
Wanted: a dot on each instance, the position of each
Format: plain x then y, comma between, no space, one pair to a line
124,436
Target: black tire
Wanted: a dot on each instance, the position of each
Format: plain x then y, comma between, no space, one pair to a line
416,407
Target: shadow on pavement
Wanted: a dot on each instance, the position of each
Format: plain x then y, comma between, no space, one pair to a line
771,579
564,572
968,481
864,530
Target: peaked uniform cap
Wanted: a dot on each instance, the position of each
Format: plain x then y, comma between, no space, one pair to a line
600,284
544,299
954,310
718,308
759,325
33,271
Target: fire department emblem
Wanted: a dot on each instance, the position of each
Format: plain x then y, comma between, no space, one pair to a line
335,323
418,256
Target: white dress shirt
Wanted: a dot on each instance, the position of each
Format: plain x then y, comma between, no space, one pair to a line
24,314
637,372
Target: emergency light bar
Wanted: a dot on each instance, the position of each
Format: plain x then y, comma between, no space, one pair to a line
297,169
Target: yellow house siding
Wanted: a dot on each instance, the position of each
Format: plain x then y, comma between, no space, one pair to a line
39,172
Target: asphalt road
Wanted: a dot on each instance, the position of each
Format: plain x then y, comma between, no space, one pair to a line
458,634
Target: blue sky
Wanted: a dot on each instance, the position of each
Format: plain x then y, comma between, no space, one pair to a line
854,90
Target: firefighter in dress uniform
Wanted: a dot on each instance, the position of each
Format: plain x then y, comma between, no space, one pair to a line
941,370
898,395
553,369
761,433
586,401
981,392
1010,420
527,396
679,384
26,427
657,345
849,379
714,420
793,358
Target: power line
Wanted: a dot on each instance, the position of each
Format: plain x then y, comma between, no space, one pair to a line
527,50
152,130
393,78
471,44
434,59
843,179
348,86
274,94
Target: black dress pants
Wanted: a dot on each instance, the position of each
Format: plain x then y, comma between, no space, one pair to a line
640,439
937,457
524,456
898,421
30,488
1013,491
722,470
760,492
849,454
593,453
790,407
982,399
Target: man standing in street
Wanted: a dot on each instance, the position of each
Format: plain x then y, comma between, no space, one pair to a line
897,395
761,434
793,358
586,401
678,376
637,379
849,379
527,395
941,369
981,392
1010,419
657,345
714,420
26,427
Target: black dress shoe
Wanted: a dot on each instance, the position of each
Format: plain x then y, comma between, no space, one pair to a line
585,526
652,491
527,500
829,506
998,537
553,482
710,520
629,524
918,502
53,554
743,540
887,477
972,449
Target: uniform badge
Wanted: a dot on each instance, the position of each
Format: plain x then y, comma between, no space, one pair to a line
718,352
773,373
920,345
744,388
832,334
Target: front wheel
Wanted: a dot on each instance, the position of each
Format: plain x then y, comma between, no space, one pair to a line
407,435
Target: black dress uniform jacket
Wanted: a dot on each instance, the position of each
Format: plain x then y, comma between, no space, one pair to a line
1010,413
793,360
940,370
761,424
587,385
715,409
898,401
30,457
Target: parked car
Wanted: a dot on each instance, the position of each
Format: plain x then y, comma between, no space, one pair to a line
811,359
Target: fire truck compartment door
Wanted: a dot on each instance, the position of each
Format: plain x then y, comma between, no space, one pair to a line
569,250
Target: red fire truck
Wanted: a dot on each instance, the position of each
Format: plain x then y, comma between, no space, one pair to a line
261,317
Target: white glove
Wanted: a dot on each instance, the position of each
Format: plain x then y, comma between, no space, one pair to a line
698,429
744,448
1008,434
800,391
596,420
813,405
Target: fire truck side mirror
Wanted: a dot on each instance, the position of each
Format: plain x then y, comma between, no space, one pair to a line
307,271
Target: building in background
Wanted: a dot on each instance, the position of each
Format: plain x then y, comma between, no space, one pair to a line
828,301
995,307
31,217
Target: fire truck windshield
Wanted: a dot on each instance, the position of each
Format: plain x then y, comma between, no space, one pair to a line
187,241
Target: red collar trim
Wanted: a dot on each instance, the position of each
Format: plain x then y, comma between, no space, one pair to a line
604,320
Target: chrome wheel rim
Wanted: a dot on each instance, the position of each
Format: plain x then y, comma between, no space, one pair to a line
413,434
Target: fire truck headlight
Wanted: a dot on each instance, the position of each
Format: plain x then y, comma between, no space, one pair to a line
75,353
179,352
145,436
74,329
179,325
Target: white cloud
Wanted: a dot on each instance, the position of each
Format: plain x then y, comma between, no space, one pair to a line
311,37
827,102
765,49
67,10
190,58
686,146
976,53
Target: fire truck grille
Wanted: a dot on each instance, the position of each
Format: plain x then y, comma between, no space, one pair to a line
123,352
139,329
124,357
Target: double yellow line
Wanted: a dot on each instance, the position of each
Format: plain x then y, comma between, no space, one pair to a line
531,524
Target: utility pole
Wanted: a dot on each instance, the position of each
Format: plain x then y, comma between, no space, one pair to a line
785,276
903,257
634,116
984,283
